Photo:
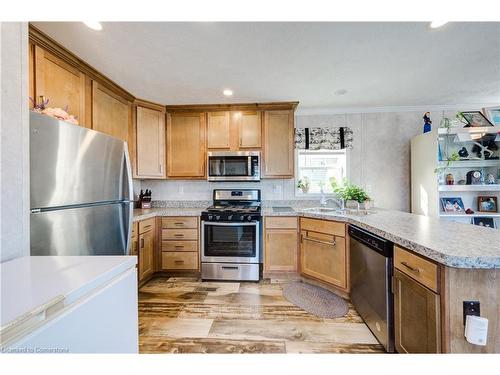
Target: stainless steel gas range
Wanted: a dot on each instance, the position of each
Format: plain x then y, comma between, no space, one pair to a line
231,236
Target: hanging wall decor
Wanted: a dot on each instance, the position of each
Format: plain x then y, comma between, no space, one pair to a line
324,138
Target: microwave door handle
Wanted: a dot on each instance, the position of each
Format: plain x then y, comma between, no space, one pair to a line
249,170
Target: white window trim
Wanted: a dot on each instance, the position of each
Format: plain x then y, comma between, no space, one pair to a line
299,195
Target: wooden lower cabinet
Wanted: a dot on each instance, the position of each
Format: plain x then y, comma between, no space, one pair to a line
146,254
179,244
416,316
280,244
324,257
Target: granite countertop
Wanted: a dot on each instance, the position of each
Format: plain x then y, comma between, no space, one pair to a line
450,243
147,213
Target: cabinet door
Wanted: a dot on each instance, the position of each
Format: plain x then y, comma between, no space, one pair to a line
324,257
278,144
218,130
249,129
186,150
146,254
150,141
110,112
280,250
416,316
61,83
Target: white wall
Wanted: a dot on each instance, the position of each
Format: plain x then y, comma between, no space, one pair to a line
379,160
14,144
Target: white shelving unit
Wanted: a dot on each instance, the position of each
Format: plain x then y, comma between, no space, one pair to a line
427,171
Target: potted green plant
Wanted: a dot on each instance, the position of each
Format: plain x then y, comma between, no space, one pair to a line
351,193
304,184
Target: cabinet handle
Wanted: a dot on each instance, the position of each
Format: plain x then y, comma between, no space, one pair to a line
179,262
179,246
178,235
319,241
147,226
142,243
416,270
179,224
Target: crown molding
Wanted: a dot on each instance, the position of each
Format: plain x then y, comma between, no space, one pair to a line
387,109
232,107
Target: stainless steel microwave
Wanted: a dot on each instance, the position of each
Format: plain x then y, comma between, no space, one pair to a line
233,166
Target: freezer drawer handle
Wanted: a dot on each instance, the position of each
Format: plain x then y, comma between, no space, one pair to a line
319,241
416,270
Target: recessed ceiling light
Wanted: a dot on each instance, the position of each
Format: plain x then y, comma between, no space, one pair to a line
227,92
341,92
94,25
436,24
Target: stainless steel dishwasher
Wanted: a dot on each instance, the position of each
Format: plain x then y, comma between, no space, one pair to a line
371,274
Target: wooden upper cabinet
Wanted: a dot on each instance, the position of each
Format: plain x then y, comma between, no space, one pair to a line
186,145
278,150
234,130
110,112
61,83
249,129
218,130
150,143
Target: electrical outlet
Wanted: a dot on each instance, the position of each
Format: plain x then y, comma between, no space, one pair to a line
471,308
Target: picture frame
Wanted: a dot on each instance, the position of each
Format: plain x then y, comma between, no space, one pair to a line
487,204
492,114
482,221
453,205
475,119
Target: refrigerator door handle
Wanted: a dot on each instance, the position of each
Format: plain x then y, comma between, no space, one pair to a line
129,199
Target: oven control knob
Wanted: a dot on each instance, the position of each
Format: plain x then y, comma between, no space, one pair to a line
249,218
210,217
217,217
230,217
242,217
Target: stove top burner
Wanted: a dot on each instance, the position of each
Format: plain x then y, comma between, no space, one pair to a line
234,205
234,208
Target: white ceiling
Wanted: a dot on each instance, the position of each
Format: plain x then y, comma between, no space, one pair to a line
379,64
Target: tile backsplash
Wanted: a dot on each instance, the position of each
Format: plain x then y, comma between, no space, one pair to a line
273,189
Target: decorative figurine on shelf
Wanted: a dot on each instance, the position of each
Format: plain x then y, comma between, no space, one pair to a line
490,179
463,153
449,179
469,211
427,122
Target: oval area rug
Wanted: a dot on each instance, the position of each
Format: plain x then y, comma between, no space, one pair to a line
315,300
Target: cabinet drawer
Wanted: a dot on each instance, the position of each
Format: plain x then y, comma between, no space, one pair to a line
280,222
179,246
323,226
146,225
419,269
179,260
135,230
179,234
179,222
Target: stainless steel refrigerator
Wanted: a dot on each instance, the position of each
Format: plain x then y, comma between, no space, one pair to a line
81,190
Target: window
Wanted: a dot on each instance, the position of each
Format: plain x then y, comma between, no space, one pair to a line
317,168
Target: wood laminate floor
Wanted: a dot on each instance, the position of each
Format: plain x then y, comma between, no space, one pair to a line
185,315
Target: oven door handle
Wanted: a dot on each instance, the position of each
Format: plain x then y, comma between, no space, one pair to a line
246,224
